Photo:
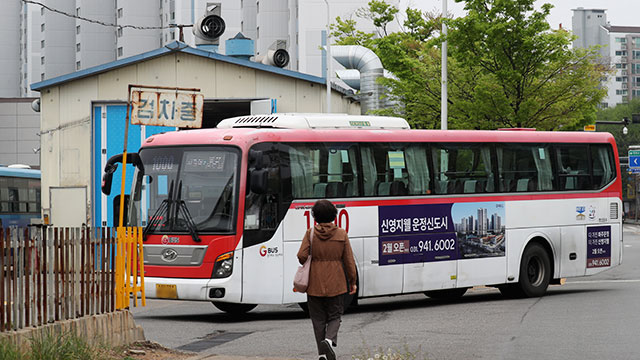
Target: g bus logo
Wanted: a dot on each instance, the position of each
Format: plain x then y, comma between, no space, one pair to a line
272,251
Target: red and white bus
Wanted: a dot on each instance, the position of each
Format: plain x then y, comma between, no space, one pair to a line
430,211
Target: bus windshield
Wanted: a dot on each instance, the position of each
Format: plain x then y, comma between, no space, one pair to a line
190,190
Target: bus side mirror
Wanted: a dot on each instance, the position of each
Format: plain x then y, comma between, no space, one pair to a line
259,181
107,178
112,165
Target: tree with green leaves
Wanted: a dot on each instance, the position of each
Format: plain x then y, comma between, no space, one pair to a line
507,68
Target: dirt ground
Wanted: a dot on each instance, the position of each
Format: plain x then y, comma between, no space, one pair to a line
148,350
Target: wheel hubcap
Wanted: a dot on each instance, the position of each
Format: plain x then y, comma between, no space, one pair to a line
535,271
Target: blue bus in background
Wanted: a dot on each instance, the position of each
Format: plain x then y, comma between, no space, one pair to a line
19,196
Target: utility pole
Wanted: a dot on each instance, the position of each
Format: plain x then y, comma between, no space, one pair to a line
443,95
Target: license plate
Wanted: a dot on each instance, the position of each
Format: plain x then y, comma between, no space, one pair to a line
166,291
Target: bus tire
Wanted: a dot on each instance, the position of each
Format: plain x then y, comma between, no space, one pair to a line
446,294
535,272
234,309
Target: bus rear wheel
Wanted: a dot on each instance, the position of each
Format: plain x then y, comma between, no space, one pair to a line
234,309
446,294
535,274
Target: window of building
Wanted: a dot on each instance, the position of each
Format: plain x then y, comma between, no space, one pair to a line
621,52
257,6
42,76
77,11
77,65
624,85
41,27
42,11
119,32
636,41
119,13
622,92
173,15
636,54
257,31
623,73
241,26
621,78
621,66
636,81
635,68
120,51
41,44
621,40
42,60
173,35
77,47
78,29
604,105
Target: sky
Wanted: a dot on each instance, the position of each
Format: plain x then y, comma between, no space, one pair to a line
619,12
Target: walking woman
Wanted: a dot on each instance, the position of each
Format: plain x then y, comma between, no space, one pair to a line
332,275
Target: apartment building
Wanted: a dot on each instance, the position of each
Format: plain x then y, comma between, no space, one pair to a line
52,43
619,48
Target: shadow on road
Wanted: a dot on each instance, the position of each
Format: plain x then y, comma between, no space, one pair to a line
372,305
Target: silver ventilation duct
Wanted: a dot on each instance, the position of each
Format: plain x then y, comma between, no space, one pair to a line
370,67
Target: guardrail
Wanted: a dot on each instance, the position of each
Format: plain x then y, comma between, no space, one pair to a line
54,274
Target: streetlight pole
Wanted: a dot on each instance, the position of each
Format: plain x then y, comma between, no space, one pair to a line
443,95
328,54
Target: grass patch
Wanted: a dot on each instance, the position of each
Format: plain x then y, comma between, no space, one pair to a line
49,346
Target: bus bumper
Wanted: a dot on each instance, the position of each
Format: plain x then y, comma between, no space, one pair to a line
192,289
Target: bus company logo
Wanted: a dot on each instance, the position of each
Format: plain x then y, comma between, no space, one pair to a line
169,255
269,252
580,210
592,212
166,240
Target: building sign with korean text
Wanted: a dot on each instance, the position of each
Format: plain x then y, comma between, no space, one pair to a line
167,108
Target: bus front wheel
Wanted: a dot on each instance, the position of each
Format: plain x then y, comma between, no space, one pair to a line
535,274
234,309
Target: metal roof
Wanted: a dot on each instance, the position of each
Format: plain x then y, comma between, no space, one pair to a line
173,47
622,29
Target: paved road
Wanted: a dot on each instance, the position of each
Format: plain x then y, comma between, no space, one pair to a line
594,317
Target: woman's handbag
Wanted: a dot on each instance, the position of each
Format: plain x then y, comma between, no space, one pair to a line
301,279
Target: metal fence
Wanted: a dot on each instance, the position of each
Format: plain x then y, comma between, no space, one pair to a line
57,274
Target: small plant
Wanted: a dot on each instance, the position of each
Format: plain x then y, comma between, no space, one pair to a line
49,346
389,354
9,351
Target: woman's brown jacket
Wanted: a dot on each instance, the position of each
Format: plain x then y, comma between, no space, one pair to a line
331,259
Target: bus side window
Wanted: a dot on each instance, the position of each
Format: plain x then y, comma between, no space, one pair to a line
396,169
573,167
323,170
524,168
603,166
263,211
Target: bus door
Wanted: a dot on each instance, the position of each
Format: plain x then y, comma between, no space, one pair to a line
262,246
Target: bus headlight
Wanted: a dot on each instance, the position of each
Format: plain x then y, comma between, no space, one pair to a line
223,266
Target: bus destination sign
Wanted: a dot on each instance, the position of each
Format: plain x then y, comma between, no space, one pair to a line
167,108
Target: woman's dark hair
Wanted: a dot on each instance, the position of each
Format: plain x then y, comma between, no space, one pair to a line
324,211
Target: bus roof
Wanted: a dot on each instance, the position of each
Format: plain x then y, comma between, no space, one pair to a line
21,173
248,136
315,121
